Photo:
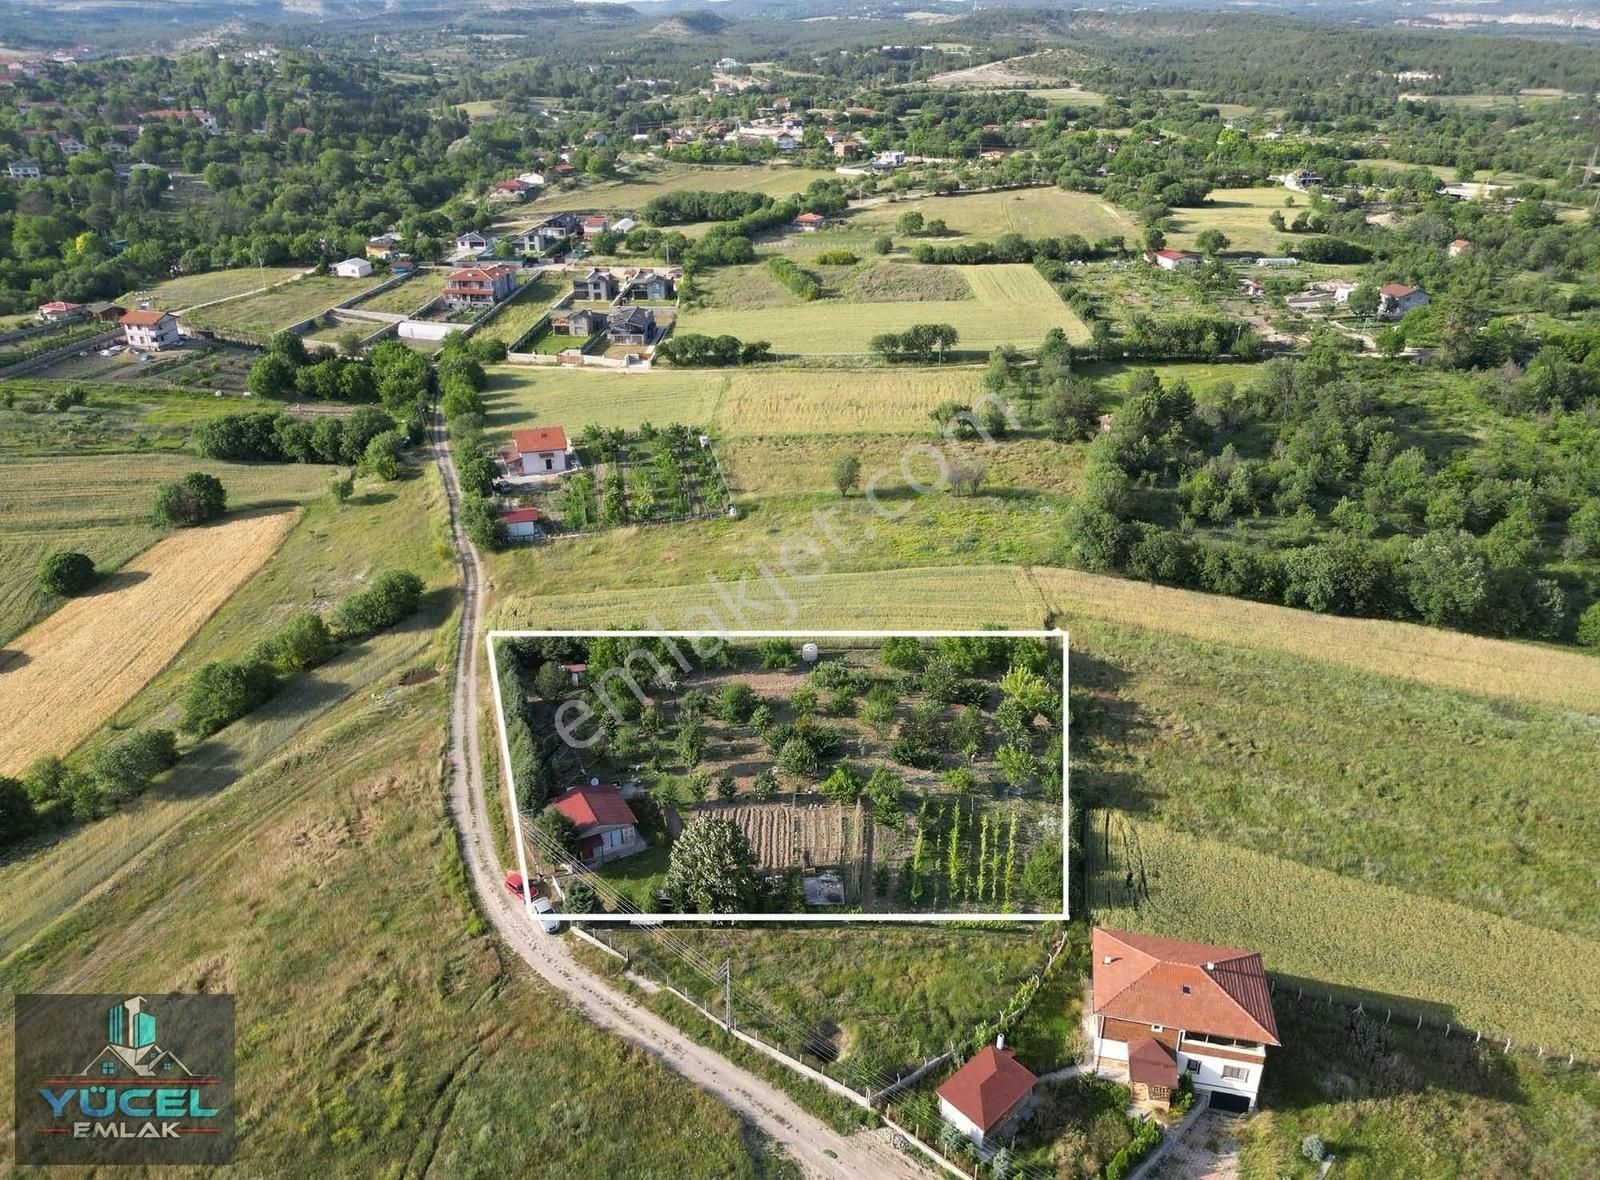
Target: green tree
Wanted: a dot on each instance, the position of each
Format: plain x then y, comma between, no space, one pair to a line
302,643
194,499
846,474
65,572
842,786
711,868
554,830
393,596
220,693
798,759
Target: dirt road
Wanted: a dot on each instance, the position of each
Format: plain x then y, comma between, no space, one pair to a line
815,1147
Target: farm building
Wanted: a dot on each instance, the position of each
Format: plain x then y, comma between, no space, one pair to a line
1166,1007
1395,299
595,286
595,224
352,268
1173,259
512,189
984,1098
480,286
1459,247
607,828
522,524
634,326
808,222
540,451
103,312
150,330
1277,263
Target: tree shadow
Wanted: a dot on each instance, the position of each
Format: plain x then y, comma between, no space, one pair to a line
113,582
11,659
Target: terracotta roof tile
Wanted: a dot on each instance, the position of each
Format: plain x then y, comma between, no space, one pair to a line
1189,985
988,1087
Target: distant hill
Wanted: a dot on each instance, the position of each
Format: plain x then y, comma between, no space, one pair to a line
694,23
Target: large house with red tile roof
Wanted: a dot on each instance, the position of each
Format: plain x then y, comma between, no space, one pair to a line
607,828
1395,299
150,329
1166,1007
985,1097
480,286
539,451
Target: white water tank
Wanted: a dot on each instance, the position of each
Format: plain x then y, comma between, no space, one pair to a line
808,652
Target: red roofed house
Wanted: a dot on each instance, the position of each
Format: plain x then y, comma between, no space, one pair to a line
984,1097
59,311
810,221
1165,1007
1459,247
1395,299
1173,259
480,286
540,451
150,330
607,828
521,523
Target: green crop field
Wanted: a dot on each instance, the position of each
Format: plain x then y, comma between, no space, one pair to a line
1241,214
410,296
1011,304
272,311
1032,212
1369,942
101,506
175,294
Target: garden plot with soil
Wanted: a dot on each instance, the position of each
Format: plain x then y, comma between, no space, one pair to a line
778,776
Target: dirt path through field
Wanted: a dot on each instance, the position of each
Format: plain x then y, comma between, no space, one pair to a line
62,679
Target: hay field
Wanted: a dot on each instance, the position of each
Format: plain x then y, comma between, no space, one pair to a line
1011,304
1390,947
1241,213
188,290
271,311
1033,212
790,465
68,674
101,506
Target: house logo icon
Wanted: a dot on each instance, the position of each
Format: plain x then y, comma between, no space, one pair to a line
131,1049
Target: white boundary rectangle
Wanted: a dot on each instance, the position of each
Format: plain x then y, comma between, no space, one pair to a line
658,919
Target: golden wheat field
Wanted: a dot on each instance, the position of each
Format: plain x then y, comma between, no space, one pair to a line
63,678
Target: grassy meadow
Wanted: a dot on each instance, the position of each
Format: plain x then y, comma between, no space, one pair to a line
188,290
1241,214
1010,304
271,311
421,289
628,194
1032,212
419,1049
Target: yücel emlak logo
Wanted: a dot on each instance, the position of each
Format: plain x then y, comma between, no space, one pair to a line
120,1079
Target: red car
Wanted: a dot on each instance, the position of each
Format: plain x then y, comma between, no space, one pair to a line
514,886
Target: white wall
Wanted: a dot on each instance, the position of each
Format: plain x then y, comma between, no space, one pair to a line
961,1122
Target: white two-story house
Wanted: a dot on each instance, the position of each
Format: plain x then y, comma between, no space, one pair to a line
1167,1008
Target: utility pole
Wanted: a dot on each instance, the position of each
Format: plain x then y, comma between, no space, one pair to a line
727,993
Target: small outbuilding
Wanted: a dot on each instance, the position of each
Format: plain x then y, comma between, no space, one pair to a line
352,268
984,1098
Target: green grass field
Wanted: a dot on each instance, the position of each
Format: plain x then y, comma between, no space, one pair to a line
1032,212
513,321
1383,946
272,311
410,296
1241,214
101,506
175,294
1011,304
630,194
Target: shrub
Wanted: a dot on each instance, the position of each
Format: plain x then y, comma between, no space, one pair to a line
66,572
302,643
842,785
797,758
902,653
1313,1148
801,284
736,703
777,653
765,785
221,693
836,258
1589,626
124,768
393,596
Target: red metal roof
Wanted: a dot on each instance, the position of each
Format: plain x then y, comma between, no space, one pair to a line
594,807
1188,985
1175,255
1395,290
543,438
143,319
520,515
988,1087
